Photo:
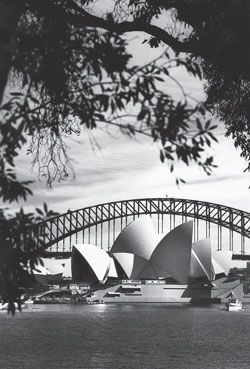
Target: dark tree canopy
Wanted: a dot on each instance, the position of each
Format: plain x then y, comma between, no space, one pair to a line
70,73
65,64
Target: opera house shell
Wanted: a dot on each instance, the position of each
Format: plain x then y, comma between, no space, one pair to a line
91,264
140,256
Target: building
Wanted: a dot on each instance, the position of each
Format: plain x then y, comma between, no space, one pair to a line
143,266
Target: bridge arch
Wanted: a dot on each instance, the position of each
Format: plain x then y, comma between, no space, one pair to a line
64,226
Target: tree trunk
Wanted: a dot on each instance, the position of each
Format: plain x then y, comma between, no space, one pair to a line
10,11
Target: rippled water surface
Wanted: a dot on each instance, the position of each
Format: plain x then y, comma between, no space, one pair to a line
144,336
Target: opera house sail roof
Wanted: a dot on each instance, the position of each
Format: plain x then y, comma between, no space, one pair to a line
131,264
139,253
90,263
137,238
172,254
201,260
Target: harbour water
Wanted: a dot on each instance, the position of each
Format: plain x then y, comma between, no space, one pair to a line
135,336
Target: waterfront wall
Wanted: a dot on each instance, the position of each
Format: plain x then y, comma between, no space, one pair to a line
130,293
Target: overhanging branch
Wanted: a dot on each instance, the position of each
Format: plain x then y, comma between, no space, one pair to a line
82,18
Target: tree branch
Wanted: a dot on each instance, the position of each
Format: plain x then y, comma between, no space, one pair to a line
83,18
9,16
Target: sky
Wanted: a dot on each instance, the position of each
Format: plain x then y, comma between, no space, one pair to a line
124,168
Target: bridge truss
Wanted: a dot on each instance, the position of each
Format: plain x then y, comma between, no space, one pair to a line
100,224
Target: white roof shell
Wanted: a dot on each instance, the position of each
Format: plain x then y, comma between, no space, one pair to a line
173,253
55,266
131,264
112,270
137,252
137,238
223,259
201,260
196,268
97,258
205,262
217,268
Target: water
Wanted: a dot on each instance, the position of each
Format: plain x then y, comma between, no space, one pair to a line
143,336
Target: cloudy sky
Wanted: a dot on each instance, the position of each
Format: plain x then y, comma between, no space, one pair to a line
124,168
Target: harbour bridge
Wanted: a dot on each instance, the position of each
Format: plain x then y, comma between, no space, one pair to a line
228,228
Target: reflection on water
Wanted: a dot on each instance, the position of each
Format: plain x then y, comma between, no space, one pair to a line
143,336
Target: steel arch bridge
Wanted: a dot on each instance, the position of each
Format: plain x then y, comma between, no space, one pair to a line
59,233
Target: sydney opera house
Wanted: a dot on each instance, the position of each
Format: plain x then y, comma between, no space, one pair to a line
143,266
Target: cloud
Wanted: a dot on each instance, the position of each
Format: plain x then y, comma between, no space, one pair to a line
126,168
